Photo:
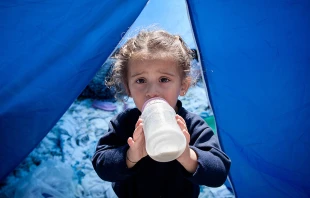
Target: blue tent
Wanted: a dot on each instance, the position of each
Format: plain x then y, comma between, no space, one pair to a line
256,65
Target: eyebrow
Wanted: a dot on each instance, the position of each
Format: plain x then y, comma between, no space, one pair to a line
167,73
137,74
162,72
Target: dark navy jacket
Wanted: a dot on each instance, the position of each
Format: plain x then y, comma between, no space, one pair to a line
149,178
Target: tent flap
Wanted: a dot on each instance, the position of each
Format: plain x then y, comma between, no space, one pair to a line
256,65
49,52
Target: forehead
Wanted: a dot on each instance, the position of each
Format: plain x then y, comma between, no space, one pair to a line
137,65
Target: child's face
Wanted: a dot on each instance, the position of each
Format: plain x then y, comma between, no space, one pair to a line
155,78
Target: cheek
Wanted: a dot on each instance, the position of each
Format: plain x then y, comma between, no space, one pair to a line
167,86
170,87
139,102
138,87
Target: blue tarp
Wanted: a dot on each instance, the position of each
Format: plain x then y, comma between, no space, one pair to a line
256,65
49,52
256,61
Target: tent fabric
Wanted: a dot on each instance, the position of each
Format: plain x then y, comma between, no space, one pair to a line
255,57
256,64
49,52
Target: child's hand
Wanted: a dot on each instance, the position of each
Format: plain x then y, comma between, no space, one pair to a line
137,149
188,159
181,122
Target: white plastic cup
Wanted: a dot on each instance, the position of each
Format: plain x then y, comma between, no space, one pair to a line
163,136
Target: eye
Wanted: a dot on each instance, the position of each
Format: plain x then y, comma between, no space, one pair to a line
140,81
164,80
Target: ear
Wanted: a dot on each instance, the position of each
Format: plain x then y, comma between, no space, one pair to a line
186,83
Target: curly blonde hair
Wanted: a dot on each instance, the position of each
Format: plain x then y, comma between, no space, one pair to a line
148,44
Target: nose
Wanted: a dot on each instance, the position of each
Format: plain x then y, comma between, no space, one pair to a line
152,91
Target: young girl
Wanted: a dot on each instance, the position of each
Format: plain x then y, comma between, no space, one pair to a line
156,64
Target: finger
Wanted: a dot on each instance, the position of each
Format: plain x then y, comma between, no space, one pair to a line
130,141
140,141
137,132
181,124
179,117
180,120
140,120
140,133
186,134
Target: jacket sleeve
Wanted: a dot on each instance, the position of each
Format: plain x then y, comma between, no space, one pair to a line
213,164
109,160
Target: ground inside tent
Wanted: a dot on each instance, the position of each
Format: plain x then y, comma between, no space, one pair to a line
60,166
